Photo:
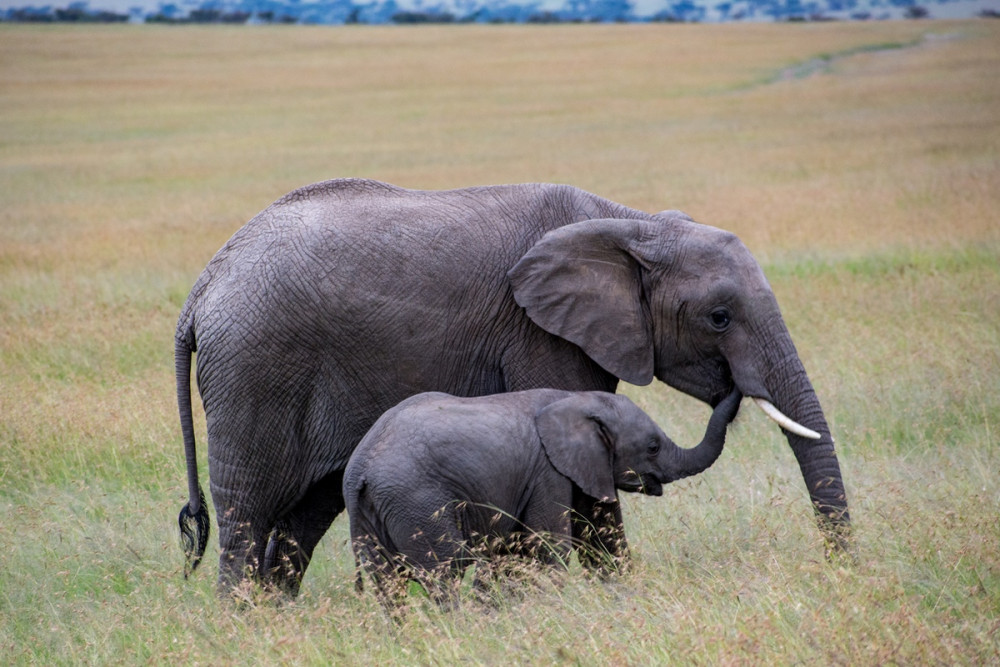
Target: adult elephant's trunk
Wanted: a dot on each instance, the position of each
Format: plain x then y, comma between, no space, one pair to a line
818,462
784,383
698,459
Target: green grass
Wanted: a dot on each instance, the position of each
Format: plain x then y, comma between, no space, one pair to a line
867,189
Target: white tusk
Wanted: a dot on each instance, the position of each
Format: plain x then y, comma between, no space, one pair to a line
784,422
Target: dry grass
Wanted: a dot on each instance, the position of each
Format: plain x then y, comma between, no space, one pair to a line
868,190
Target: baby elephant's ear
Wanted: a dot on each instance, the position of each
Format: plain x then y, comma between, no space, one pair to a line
577,438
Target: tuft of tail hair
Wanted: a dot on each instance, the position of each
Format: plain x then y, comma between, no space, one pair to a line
193,518
194,533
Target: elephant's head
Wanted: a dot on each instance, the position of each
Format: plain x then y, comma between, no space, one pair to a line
688,304
603,442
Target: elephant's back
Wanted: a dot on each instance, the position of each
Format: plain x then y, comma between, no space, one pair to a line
355,221
350,239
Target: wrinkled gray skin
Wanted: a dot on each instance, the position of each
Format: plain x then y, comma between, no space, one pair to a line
441,481
345,297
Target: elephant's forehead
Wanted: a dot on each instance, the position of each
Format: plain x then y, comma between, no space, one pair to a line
712,252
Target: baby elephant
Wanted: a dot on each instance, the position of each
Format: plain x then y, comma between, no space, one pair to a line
440,482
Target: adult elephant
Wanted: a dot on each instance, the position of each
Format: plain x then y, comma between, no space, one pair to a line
345,297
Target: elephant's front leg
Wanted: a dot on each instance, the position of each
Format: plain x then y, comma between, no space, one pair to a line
599,535
537,543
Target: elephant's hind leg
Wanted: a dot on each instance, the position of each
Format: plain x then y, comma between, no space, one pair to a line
297,533
242,544
376,555
435,553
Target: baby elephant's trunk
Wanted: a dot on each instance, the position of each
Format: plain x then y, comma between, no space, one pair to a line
700,458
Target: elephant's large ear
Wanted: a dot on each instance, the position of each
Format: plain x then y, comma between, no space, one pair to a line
580,282
577,440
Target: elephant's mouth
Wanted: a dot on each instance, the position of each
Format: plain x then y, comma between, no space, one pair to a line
709,380
646,484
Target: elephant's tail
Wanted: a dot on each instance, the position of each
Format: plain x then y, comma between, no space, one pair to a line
193,519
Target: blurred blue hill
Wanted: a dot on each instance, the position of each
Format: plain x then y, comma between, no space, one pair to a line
339,12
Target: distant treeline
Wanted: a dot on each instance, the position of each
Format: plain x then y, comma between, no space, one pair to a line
217,16
68,15
79,13
75,15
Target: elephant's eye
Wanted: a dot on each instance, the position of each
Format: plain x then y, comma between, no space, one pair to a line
720,319
653,448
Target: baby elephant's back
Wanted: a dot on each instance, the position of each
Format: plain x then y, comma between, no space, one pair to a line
435,447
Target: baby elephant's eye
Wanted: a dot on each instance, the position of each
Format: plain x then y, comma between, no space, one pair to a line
653,448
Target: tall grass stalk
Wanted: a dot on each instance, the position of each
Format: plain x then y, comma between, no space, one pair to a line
867,189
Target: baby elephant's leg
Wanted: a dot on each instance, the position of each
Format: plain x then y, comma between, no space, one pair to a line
599,536
376,555
386,570
540,545
434,552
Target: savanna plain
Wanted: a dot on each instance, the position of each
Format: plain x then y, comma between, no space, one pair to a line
860,162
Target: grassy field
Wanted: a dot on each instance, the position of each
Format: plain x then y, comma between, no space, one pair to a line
860,163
